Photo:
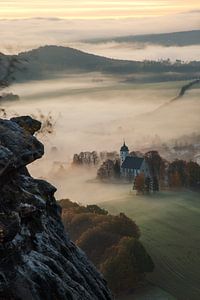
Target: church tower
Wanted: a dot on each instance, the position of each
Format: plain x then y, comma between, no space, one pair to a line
124,152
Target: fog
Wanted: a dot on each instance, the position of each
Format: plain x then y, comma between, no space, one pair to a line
96,112
138,51
25,34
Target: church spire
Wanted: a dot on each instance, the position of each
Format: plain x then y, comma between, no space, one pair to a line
124,148
124,152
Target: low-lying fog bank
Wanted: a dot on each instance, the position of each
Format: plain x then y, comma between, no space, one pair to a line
138,51
95,112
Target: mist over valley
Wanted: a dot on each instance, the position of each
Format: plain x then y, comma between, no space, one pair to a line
104,89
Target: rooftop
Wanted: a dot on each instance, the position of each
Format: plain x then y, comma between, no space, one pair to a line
132,162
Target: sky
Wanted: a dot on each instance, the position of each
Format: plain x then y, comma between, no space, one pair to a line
95,9
28,24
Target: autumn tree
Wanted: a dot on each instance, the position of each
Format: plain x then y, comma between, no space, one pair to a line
109,170
125,265
157,168
111,242
155,163
147,185
139,183
193,172
178,167
106,170
95,209
175,180
155,184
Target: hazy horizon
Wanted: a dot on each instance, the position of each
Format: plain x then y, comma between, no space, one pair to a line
86,104
24,34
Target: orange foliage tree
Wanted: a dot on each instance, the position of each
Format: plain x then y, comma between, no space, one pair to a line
139,183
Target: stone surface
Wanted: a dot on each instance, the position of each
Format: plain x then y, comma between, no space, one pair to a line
38,261
17,142
28,123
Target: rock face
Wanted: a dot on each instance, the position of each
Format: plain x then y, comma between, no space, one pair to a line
37,259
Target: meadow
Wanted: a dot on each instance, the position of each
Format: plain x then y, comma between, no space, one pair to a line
169,223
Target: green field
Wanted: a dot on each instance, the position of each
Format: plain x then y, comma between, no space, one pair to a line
170,227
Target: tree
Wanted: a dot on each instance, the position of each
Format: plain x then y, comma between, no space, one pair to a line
180,167
106,170
95,209
147,185
157,166
125,265
193,171
139,183
111,242
117,168
175,180
155,184
154,161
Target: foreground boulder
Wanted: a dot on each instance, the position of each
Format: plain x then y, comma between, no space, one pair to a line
37,259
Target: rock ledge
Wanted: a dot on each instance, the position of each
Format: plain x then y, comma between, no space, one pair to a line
37,259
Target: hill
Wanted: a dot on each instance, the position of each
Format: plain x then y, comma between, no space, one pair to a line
51,61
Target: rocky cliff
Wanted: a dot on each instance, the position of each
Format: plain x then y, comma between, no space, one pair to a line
37,259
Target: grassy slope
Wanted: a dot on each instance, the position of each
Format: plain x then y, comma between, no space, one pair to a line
170,231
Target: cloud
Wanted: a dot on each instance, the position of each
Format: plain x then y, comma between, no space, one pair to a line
23,34
195,11
96,9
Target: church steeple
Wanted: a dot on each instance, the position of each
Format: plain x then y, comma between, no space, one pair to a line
124,152
124,148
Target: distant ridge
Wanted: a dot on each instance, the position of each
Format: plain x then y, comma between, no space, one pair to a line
181,38
50,61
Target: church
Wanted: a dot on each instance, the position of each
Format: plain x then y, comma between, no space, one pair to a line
131,166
